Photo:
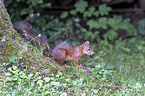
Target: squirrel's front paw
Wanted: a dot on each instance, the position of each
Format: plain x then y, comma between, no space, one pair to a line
65,66
80,66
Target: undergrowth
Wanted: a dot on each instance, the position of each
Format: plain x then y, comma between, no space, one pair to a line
115,71
117,67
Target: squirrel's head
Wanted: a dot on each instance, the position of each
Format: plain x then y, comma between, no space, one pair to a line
87,49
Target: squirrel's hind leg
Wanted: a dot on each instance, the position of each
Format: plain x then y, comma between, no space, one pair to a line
61,58
59,55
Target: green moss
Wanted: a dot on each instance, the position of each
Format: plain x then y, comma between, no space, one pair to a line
32,58
11,44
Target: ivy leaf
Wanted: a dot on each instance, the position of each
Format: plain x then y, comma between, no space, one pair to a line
115,22
96,13
92,24
64,15
110,35
73,12
112,23
13,59
104,10
81,6
141,27
103,23
92,9
131,30
90,12
46,5
86,14
125,24
93,35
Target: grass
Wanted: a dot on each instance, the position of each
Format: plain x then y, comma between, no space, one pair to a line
116,70
130,61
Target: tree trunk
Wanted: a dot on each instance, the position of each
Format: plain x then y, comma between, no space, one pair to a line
7,32
12,49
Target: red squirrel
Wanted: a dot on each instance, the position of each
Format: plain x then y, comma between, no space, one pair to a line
66,51
61,52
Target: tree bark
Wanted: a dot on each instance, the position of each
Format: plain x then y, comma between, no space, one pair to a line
11,44
6,34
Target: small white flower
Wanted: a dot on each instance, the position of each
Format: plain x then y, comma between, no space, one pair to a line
39,35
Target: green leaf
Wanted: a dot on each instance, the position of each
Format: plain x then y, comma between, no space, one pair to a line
23,75
92,24
24,11
115,22
32,84
138,85
37,74
92,9
86,14
90,12
20,53
95,91
73,12
81,6
8,74
13,59
64,15
110,35
18,1
93,35
14,93
30,76
24,46
63,94
131,30
124,24
10,69
76,19
126,21
47,5
96,13
40,82
104,10
102,23
141,27
55,83
14,78
47,79
14,67
39,2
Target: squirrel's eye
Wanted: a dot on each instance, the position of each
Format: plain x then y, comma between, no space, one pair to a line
89,49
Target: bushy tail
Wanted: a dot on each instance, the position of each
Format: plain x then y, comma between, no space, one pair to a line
33,36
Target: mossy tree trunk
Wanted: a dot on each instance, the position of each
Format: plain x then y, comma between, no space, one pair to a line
7,33
11,44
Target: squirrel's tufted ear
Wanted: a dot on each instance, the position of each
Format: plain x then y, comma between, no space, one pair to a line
86,43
